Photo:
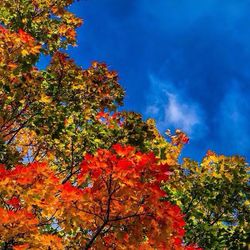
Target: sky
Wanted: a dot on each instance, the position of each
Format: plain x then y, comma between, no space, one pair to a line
185,63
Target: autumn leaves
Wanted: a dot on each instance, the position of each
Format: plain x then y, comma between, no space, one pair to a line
115,202
77,174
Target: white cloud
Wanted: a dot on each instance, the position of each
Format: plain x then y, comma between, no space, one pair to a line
171,108
181,115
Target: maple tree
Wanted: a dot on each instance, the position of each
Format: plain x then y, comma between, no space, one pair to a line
67,116
115,202
214,196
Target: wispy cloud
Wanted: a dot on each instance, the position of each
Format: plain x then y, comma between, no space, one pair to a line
171,108
183,115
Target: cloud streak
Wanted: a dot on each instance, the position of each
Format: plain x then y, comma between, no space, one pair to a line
171,108
181,115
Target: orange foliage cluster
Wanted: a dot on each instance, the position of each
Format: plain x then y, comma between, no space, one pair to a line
115,202
14,44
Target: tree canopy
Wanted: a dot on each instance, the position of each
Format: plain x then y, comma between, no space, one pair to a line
76,173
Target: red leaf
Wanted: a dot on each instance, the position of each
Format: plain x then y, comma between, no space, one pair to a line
14,202
124,164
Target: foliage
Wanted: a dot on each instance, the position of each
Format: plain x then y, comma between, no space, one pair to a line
115,202
48,21
214,197
19,82
64,114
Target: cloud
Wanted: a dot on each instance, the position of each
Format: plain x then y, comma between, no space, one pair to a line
172,109
181,115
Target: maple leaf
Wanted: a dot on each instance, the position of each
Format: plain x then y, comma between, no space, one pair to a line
25,37
124,164
14,202
21,247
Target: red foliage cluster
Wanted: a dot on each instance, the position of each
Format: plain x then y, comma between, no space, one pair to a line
116,201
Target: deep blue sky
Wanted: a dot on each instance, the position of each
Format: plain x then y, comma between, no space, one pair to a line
185,63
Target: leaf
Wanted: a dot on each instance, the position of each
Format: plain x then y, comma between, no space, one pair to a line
45,99
21,247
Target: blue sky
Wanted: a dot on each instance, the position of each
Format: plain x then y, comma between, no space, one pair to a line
185,63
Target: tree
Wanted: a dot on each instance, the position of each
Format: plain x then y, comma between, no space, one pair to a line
64,114
214,196
115,203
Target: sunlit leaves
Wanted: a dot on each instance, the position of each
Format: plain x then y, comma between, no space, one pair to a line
48,21
28,200
116,201
214,196
18,85
124,186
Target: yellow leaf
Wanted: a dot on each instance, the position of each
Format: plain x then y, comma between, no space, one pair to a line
229,176
24,52
216,175
45,99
